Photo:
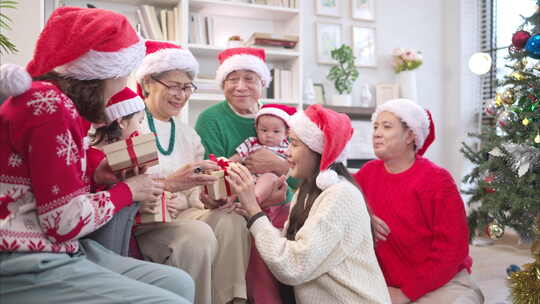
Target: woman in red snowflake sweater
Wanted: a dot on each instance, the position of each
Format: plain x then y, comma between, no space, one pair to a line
418,214
82,58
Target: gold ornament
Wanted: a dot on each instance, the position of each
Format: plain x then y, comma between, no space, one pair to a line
517,76
508,97
524,61
537,138
525,121
495,231
498,99
525,285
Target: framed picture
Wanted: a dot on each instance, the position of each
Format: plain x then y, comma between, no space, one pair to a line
363,9
328,38
319,93
363,39
386,92
328,8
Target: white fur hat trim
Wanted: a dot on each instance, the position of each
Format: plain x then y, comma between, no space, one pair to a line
409,112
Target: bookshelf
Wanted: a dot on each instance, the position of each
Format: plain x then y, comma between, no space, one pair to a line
228,18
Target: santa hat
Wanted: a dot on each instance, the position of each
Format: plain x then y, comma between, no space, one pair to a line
78,43
416,118
278,110
327,133
165,56
243,58
123,103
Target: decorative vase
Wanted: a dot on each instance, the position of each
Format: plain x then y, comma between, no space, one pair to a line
407,85
366,99
342,100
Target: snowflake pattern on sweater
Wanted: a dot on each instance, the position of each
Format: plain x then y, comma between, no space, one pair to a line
45,204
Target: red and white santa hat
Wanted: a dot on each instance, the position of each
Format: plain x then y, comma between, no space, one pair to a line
243,58
123,103
278,110
165,56
327,133
416,118
78,43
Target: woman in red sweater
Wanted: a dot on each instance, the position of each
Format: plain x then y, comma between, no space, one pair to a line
418,214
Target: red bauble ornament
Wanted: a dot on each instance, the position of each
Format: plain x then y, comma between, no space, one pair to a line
489,179
519,39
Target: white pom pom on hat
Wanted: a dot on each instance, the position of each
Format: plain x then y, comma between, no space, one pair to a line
327,133
14,80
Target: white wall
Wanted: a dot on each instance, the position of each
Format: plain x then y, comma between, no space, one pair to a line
416,24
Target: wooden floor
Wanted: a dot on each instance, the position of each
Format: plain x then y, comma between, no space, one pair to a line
490,263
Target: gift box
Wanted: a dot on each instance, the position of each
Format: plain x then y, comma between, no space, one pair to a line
132,152
221,189
161,216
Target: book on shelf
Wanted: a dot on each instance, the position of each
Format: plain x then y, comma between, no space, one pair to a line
280,87
273,39
159,24
163,23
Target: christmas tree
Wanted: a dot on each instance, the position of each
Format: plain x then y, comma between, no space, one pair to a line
506,178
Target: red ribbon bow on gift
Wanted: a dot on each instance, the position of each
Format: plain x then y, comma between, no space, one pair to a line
223,164
131,150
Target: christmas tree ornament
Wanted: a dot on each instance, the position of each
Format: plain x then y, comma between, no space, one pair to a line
498,99
537,66
480,63
492,108
517,76
506,118
488,180
511,269
534,106
533,46
522,157
537,138
507,97
519,39
525,121
494,230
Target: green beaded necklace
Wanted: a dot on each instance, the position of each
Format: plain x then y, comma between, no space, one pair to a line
153,129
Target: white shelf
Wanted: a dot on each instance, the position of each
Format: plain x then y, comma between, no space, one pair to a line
158,3
242,10
271,54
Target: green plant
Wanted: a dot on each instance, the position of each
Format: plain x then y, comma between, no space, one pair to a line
345,73
6,46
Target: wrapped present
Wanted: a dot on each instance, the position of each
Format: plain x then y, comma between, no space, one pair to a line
221,189
132,152
161,216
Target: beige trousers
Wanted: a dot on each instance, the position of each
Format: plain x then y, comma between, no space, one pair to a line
211,245
460,290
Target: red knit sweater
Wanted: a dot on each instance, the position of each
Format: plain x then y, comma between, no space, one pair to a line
45,204
428,242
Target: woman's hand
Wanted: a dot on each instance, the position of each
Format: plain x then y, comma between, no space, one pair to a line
279,193
397,296
380,228
264,160
191,175
209,203
104,175
243,185
176,202
144,188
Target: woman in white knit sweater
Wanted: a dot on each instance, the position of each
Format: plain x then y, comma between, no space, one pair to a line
326,248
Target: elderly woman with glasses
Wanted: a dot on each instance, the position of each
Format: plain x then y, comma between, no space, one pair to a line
243,74
211,245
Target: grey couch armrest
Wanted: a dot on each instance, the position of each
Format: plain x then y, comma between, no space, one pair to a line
115,235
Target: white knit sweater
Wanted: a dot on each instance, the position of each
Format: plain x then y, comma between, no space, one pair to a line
187,149
332,259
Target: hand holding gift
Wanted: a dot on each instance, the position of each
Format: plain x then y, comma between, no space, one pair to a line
220,189
128,155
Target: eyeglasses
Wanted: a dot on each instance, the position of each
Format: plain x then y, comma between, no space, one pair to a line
247,79
188,89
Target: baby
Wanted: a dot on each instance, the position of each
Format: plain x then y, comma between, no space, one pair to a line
271,125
